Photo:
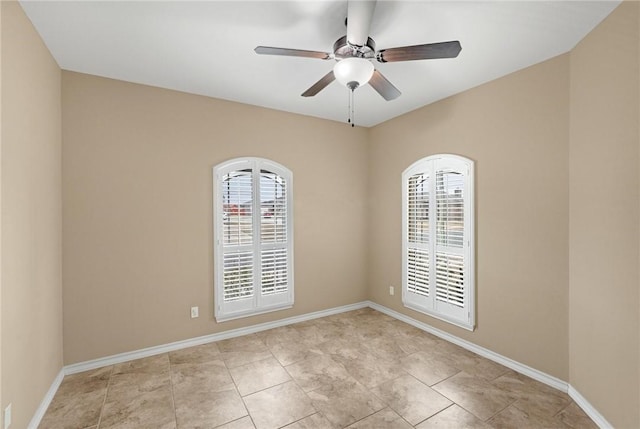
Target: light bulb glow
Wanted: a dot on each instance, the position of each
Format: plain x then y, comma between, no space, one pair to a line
350,70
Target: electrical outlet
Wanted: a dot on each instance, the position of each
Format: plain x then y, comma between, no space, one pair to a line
7,417
194,312
392,290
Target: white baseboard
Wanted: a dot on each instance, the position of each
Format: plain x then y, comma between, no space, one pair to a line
151,351
46,401
589,409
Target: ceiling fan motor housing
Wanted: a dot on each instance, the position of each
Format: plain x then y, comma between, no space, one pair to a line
343,49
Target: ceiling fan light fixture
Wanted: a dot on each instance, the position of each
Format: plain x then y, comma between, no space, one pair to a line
353,72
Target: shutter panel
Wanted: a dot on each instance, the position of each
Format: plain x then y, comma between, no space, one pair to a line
450,271
450,236
274,239
237,235
417,258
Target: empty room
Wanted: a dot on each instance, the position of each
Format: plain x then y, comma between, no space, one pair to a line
319,214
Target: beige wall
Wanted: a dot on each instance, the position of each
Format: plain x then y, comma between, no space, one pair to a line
604,219
137,210
516,131
31,217
137,217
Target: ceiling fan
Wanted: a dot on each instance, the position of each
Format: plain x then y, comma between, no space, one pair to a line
354,52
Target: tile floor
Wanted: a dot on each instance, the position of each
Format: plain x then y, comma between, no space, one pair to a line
361,369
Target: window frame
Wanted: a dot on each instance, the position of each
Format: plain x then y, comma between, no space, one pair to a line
257,303
463,317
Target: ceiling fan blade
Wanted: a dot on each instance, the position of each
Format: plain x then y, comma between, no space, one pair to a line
428,51
268,50
383,86
359,15
319,85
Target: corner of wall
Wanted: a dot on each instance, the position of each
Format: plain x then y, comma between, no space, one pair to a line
30,216
604,256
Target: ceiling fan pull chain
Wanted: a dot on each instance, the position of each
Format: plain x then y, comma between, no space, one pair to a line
353,108
349,107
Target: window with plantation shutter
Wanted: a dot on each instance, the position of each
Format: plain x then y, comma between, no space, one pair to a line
437,235
253,237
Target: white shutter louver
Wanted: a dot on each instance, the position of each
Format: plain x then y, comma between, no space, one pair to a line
450,278
238,275
450,208
437,238
418,271
274,271
418,209
273,208
237,206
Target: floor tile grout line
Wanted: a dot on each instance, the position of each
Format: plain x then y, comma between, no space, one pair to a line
445,379
306,394
173,395
460,405
433,415
502,409
319,387
233,421
266,388
104,401
253,422
244,404
369,415
564,408
291,379
469,411
301,418
424,384
250,363
552,417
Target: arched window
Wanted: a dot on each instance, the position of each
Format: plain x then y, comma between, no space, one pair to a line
438,238
253,237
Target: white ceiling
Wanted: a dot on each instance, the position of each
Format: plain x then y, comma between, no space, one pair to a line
206,47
